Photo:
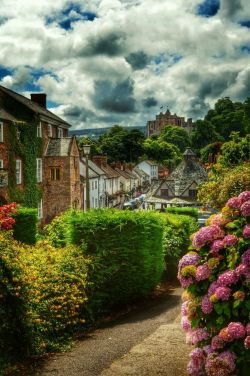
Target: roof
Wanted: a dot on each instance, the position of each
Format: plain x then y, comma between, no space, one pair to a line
189,151
4,115
140,172
35,107
110,172
95,167
151,163
58,147
92,173
122,173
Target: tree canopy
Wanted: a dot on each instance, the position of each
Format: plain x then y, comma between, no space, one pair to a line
175,135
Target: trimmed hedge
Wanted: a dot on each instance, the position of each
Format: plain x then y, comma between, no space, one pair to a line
192,212
126,252
25,228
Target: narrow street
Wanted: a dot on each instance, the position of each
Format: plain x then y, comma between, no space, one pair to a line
145,342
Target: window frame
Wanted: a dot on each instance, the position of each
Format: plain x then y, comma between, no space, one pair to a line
50,131
55,173
1,131
39,130
60,132
1,164
39,170
192,193
40,209
19,171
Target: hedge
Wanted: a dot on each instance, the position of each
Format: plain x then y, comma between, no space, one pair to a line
25,228
192,212
126,252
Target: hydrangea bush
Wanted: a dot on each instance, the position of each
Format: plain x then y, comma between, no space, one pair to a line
216,302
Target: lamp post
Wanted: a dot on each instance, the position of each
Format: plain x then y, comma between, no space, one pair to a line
86,150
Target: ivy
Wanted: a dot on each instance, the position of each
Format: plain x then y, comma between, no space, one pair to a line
24,143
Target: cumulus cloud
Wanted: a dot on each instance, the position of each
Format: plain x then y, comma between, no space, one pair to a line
118,61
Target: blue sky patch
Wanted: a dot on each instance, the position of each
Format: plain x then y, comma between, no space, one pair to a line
208,8
51,104
4,71
245,23
72,13
246,49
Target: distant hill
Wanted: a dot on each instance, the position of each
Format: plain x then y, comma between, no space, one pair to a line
95,133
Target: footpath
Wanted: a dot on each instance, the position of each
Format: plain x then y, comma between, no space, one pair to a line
148,341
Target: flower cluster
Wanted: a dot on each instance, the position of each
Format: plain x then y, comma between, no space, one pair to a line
6,219
216,275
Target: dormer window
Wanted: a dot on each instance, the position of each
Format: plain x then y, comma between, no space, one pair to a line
60,133
39,130
49,130
1,132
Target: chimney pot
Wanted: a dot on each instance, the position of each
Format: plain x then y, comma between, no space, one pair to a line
39,98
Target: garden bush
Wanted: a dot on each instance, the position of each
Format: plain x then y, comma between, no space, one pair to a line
176,240
216,275
193,212
25,227
126,253
42,297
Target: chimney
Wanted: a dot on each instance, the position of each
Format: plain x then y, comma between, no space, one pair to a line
39,98
100,160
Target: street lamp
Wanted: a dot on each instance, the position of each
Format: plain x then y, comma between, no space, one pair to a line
86,151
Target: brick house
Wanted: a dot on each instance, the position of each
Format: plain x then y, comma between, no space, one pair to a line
39,164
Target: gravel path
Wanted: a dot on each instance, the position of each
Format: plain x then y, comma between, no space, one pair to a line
145,342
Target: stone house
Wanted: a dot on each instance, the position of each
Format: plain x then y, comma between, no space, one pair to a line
181,185
161,120
39,164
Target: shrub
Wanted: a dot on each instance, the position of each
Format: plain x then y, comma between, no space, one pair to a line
25,228
193,212
126,252
6,216
42,295
56,231
216,275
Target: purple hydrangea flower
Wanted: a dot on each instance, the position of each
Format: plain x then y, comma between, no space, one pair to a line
236,330
196,365
212,288
223,293
206,305
195,336
227,278
229,357
244,196
185,324
230,240
203,272
234,203
185,282
246,231
217,343
189,259
206,235
208,349
216,246
245,209
220,364
246,257
184,308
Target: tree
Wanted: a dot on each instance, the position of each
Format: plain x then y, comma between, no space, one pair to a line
94,145
163,152
236,151
210,152
175,135
203,134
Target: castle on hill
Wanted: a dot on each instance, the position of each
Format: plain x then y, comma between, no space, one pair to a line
161,120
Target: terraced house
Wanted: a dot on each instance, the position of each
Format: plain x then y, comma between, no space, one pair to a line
39,163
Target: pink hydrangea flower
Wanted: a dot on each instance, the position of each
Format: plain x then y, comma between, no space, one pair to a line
229,357
185,324
185,282
244,196
208,349
196,365
245,209
191,258
223,293
236,330
202,272
216,246
234,203
247,342
217,366
242,270
206,234
218,220
230,240
184,308
246,257
248,329
246,231
195,336
217,343
225,336
212,288
206,305
227,278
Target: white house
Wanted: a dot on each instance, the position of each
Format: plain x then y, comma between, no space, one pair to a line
93,184
102,196
150,168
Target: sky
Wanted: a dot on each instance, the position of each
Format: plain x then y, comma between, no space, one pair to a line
106,62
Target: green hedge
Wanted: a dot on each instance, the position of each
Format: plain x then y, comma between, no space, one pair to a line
193,212
126,252
25,228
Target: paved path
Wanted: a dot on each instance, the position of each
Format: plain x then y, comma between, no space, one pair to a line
146,342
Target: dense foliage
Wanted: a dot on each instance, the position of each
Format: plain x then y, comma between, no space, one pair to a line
193,212
6,216
216,275
25,228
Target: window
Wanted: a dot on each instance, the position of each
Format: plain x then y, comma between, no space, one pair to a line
192,193
164,192
1,163
40,209
49,130
60,132
93,202
96,202
1,132
110,183
18,171
55,173
39,172
96,184
92,185
39,130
